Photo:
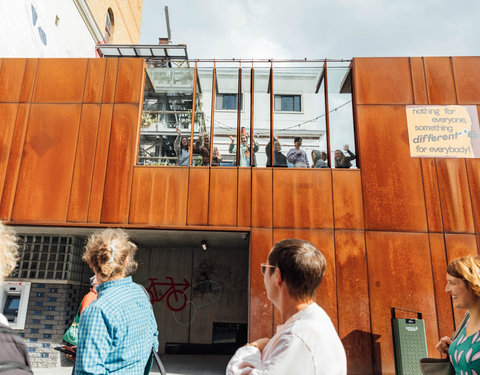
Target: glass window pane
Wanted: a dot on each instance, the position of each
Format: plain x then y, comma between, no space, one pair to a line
301,116
225,123
201,148
167,110
261,113
342,136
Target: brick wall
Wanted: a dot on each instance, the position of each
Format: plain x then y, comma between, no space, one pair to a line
51,309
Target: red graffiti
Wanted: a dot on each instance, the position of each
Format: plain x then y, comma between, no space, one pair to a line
175,297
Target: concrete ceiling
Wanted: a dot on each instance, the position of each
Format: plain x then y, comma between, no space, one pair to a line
157,238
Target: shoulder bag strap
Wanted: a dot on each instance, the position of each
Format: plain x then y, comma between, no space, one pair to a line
460,327
159,362
154,353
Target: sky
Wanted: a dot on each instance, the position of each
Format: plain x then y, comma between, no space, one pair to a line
316,29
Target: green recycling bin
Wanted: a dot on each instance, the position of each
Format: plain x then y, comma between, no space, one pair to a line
409,343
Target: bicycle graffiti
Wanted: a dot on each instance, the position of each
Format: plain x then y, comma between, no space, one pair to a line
175,297
211,293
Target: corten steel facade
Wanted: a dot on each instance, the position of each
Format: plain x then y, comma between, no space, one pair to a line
69,147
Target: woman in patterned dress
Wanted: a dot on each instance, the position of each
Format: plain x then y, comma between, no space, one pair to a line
463,285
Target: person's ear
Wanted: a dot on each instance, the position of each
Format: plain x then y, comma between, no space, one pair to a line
278,276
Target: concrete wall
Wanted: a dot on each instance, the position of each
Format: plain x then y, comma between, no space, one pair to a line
214,288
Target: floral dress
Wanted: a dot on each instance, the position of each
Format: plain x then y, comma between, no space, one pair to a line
464,353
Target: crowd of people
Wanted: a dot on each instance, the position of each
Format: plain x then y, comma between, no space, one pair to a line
296,157
118,331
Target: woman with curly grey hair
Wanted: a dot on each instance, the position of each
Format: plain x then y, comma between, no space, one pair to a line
13,354
463,285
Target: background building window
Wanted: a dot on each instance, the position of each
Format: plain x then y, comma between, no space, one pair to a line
109,23
288,103
227,102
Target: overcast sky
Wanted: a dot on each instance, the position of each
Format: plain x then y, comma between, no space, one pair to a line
316,28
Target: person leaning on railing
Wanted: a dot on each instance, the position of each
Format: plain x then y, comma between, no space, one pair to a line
279,160
297,156
13,352
342,161
244,150
202,146
181,147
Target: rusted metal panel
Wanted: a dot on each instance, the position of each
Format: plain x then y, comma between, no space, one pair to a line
353,317
382,81
455,196
432,195
418,80
347,199
121,159
302,198
198,193
47,163
391,179
399,275
11,79
261,309
466,71
262,199
159,196
84,163
60,81
439,77
222,208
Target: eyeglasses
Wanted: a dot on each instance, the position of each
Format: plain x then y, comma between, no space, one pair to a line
264,266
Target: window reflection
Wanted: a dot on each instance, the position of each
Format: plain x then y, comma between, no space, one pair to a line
202,136
232,128
299,116
225,123
167,113
340,104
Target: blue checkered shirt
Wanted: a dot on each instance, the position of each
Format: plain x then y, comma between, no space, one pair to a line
117,331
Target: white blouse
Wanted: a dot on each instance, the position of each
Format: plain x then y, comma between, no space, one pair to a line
306,344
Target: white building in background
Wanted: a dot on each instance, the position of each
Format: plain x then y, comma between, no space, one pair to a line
298,109
53,28
66,28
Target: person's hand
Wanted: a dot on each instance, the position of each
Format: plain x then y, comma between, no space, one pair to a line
179,132
231,138
72,348
345,147
443,344
261,343
276,138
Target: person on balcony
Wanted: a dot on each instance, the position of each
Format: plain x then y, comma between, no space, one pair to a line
202,146
297,156
181,147
279,160
244,150
306,342
342,161
319,159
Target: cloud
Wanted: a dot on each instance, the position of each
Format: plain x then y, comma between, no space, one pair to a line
317,28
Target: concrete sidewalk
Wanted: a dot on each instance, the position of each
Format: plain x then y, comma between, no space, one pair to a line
175,364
